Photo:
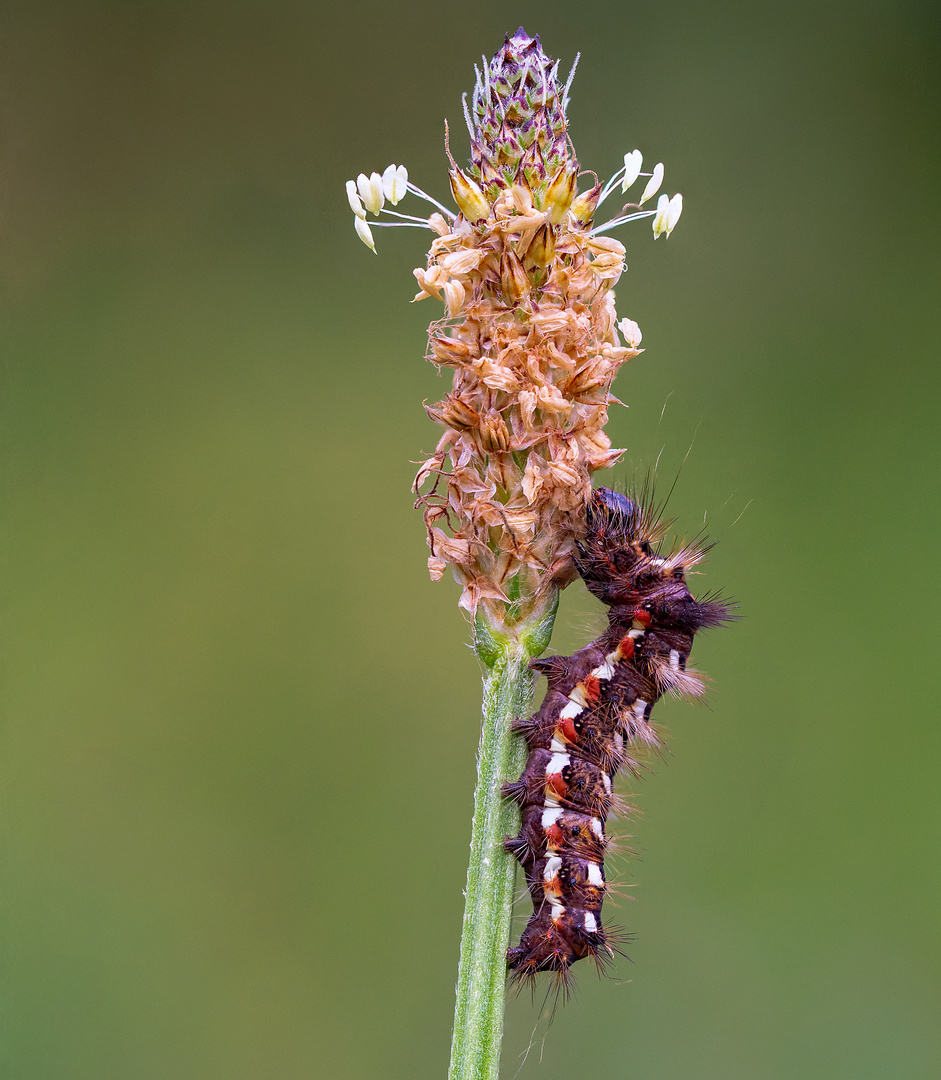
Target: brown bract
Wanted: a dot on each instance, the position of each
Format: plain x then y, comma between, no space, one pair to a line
529,332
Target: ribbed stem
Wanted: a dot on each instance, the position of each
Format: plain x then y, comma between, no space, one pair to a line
481,980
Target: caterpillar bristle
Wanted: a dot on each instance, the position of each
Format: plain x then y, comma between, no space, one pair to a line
594,718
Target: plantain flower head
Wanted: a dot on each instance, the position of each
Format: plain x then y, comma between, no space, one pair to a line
529,329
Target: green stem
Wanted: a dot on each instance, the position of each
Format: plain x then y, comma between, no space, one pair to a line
481,980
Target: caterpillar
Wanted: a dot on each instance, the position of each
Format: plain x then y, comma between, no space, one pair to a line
595,714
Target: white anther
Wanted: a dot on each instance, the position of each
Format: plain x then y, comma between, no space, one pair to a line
395,183
370,191
364,232
653,184
356,204
676,208
632,164
660,218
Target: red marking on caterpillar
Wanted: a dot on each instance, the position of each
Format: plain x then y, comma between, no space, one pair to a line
626,647
592,687
598,702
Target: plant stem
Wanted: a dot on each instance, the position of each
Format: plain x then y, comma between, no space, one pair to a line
481,981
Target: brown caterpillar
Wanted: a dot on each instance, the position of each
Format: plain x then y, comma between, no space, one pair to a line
597,708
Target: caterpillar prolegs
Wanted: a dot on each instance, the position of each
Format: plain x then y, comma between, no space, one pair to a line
595,713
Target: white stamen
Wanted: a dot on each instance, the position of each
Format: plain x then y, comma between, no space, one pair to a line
370,191
355,203
412,219
615,222
660,218
632,165
395,183
653,184
419,224
364,232
609,186
676,208
415,190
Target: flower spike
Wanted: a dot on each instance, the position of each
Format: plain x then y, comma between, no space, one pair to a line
524,279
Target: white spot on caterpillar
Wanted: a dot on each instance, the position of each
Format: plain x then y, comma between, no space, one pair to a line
619,742
674,660
558,762
571,710
595,877
557,747
578,696
556,912
606,670
638,709
590,923
637,632
607,782
552,867
596,828
550,817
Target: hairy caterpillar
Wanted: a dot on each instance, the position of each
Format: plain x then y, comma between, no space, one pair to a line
596,710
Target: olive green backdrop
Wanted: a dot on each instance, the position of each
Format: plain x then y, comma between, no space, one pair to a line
240,723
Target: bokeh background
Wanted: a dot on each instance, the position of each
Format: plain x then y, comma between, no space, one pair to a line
240,723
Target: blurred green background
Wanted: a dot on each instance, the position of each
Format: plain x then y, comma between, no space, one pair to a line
238,751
